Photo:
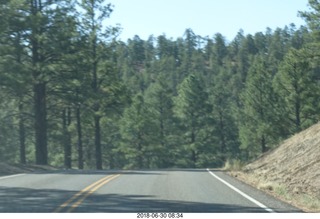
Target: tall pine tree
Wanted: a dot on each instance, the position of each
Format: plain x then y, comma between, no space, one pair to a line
191,106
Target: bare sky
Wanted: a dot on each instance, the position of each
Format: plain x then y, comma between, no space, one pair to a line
204,17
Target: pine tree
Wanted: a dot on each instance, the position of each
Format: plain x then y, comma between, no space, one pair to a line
257,127
296,83
312,18
94,13
33,27
14,74
192,108
137,131
225,130
158,98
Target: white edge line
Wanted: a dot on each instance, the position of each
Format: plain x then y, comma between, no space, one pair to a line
241,193
10,176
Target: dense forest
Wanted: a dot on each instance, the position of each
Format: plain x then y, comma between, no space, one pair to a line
73,95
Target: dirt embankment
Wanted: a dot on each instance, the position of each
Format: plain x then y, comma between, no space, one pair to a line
291,171
8,169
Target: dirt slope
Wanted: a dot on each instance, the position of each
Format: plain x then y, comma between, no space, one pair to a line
293,168
7,169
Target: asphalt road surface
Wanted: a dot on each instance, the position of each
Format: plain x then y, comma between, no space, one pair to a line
180,190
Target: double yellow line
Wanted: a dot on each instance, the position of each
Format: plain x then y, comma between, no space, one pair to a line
78,198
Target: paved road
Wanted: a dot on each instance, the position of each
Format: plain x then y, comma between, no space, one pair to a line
181,190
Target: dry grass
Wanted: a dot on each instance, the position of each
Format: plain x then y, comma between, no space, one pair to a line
303,201
291,171
233,165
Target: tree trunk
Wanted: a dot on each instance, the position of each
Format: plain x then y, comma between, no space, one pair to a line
194,158
66,118
79,131
39,89
298,115
222,134
40,123
22,135
165,160
223,146
98,142
193,151
263,144
193,140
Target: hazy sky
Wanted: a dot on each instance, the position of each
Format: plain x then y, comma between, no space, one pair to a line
204,17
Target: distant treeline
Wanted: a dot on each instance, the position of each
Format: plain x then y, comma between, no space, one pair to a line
73,95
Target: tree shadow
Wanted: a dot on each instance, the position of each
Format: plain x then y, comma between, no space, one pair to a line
115,203
101,172
123,172
25,200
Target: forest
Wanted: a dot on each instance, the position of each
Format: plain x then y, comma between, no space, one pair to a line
72,95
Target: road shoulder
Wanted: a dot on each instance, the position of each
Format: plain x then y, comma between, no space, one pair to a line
267,199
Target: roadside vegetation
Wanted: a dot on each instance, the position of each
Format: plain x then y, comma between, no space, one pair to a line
73,95
289,172
306,202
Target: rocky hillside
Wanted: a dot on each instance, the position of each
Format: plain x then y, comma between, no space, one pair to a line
291,169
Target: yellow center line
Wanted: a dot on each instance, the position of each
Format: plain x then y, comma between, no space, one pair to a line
95,186
75,205
79,194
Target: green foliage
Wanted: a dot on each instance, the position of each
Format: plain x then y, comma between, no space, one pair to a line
312,17
258,116
159,101
297,85
224,122
191,106
73,95
137,129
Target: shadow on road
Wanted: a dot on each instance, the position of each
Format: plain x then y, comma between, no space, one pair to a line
123,172
101,172
24,200
115,203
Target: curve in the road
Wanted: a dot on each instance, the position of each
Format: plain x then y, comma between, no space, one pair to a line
79,197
